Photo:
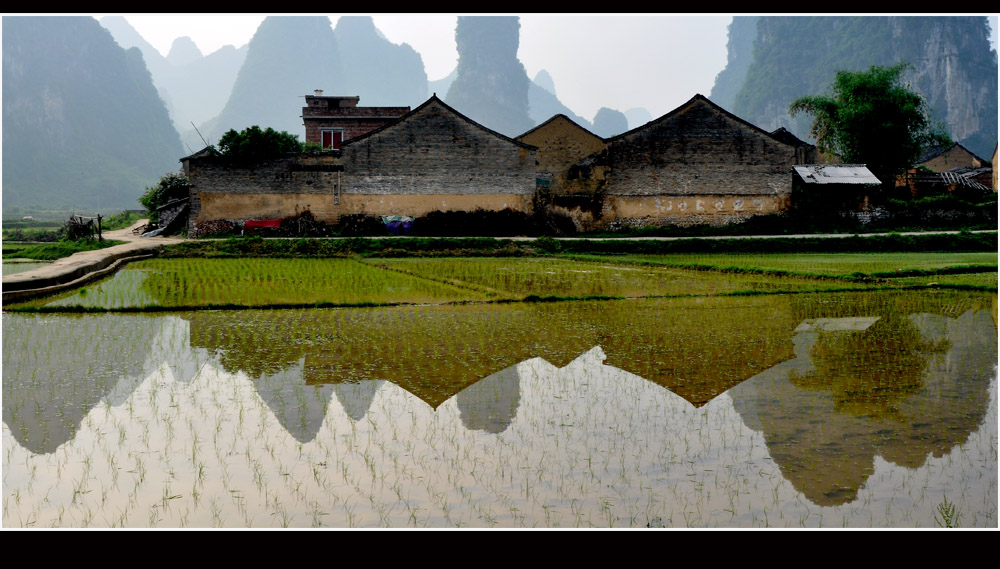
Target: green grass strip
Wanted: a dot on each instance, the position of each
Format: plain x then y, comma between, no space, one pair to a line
53,251
487,246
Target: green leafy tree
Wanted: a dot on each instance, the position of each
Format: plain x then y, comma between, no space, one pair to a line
255,145
171,186
873,119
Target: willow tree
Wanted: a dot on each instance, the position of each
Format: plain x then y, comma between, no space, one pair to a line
872,118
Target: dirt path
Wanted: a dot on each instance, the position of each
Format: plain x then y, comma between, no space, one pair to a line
83,266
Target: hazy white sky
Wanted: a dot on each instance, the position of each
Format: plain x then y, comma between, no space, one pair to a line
655,61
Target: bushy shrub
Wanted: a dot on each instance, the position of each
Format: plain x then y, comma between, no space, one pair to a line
361,225
254,145
171,186
477,223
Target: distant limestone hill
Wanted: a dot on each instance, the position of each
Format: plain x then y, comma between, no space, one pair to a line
955,68
491,86
183,51
543,104
194,87
729,81
382,73
288,57
443,84
544,80
83,125
609,122
637,117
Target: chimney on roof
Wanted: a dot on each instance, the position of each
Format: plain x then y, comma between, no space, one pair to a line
318,92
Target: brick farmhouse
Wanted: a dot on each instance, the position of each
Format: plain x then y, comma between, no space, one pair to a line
698,164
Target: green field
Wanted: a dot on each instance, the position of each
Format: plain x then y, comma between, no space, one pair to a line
193,283
824,264
517,278
53,251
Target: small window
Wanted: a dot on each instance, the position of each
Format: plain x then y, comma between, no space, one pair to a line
331,138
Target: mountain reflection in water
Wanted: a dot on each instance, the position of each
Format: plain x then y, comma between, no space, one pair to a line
833,385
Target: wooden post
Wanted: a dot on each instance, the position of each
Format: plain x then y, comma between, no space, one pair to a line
99,237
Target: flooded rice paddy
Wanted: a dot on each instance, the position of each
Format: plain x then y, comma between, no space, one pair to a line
12,266
856,409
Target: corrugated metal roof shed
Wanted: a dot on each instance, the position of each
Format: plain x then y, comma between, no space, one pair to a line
950,177
836,174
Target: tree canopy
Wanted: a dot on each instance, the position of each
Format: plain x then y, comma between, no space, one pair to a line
873,119
254,145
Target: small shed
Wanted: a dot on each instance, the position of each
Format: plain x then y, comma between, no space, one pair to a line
842,186
825,174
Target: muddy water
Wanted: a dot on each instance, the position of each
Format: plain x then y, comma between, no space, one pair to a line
818,410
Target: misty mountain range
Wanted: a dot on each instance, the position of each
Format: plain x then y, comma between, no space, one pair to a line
260,82
774,60
93,113
83,125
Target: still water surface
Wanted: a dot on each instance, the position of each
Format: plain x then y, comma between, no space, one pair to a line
810,410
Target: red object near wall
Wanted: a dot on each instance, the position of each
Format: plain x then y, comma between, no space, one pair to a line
262,223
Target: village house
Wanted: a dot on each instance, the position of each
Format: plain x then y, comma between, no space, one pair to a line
330,121
697,164
436,159
561,143
994,169
942,159
432,158
941,170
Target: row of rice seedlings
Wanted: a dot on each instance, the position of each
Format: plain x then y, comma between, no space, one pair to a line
256,282
188,282
124,289
820,264
547,277
984,280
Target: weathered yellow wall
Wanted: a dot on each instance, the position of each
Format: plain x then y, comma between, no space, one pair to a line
216,206
561,143
417,205
220,205
995,169
957,157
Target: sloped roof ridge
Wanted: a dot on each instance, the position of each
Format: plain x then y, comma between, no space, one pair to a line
432,99
692,100
854,165
974,155
197,154
554,117
937,150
